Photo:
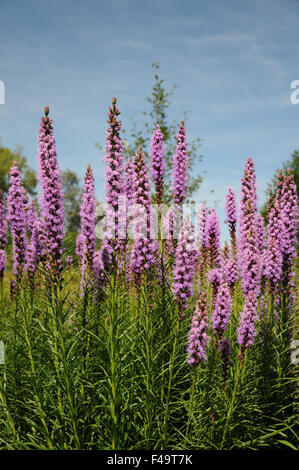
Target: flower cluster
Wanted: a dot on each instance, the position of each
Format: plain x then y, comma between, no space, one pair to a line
231,215
213,239
3,233
289,209
221,311
158,167
249,257
185,264
260,259
143,251
180,167
17,219
198,339
52,203
247,327
114,171
86,244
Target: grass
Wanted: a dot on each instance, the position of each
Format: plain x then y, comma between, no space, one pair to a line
112,373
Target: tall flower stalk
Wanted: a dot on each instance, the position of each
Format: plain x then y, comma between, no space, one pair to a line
114,182
17,220
231,216
129,193
249,257
247,327
185,265
157,163
3,234
198,336
202,240
52,204
213,239
289,219
86,245
221,311
144,249
180,167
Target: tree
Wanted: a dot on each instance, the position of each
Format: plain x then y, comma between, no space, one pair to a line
293,165
159,99
72,200
7,157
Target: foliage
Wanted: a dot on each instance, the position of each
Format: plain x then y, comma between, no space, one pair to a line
159,101
7,157
123,381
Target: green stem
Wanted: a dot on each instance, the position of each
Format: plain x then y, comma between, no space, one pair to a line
172,361
191,403
210,374
67,383
8,414
148,352
113,339
231,406
33,370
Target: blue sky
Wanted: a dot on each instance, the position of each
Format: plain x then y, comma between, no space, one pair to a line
232,60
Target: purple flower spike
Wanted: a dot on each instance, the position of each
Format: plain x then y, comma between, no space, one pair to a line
221,311
247,327
231,215
249,256
86,248
260,232
185,264
31,218
3,222
158,168
198,338
272,259
144,249
201,227
180,167
88,212
17,219
248,190
98,267
213,239
81,245
231,273
114,177
129,189
3,234
52,204
289,209
251,264
216,278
